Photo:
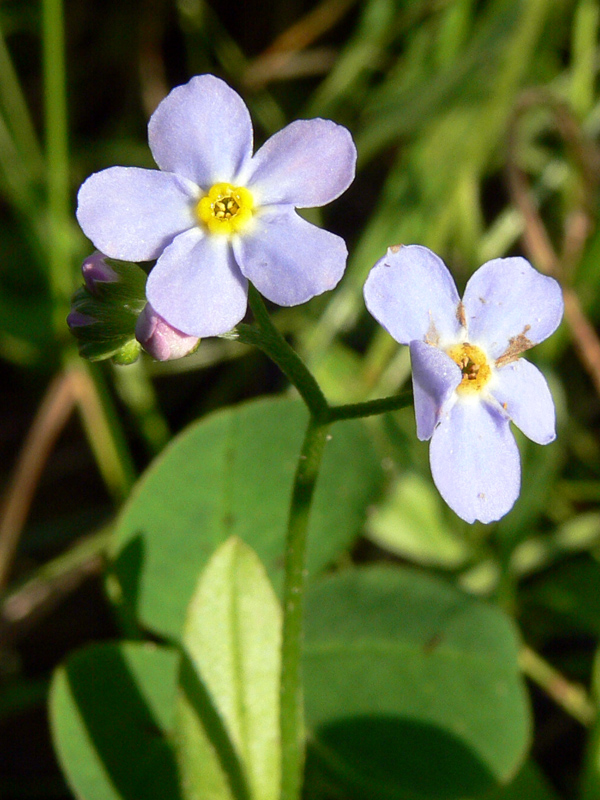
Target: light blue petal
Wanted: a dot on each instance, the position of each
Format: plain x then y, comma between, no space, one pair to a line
197,287
411,293
133,214
475,461
201,130
435,376
507,297
288,259
522,391
308,163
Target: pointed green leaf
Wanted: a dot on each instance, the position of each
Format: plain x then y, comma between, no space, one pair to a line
412,688
229,688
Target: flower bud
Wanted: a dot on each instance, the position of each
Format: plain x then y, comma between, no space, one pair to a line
161,340
96,270
105,310
78,320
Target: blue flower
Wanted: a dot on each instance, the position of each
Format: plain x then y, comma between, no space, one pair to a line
215,216
468,378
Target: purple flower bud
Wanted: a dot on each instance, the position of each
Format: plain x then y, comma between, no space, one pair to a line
96,270
105,310
78,320
161,340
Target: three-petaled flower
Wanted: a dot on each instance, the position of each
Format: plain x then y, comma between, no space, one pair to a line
215,216
468,378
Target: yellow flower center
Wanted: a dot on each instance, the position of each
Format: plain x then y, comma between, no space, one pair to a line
476,371
226,208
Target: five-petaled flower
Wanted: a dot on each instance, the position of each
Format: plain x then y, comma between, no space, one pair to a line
215,216
468,378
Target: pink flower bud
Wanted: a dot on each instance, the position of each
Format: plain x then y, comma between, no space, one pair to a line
161,340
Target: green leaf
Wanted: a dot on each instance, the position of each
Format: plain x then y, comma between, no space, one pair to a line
112,713
411,523
231,474
229,689
412,688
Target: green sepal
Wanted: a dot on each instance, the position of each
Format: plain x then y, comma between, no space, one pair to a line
128,354
113,309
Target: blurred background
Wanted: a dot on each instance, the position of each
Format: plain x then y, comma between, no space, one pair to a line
477,126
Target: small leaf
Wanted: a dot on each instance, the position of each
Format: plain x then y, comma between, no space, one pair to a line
411,523
112,714
229,687
412,688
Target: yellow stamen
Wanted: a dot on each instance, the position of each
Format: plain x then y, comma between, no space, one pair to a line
226,208
476,371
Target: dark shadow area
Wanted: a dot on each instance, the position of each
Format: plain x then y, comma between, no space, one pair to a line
126,735
399,759
127,570
28,767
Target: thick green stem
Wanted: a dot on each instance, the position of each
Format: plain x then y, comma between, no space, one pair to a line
291,709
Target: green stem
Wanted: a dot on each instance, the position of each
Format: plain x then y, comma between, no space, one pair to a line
57,157
266,336
370,407
275,346
291,708
104,432
299,376
102,425
572,697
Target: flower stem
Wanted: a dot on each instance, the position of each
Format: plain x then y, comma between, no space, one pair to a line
291,707
289,362
370,407
266,336
572,697
298,374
